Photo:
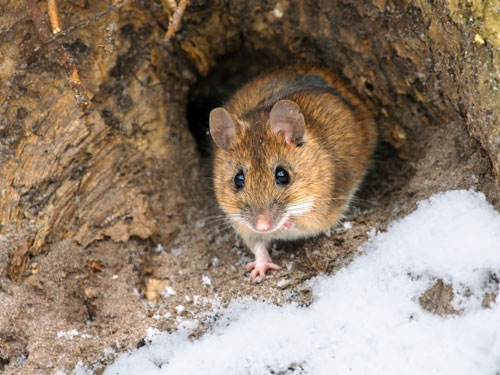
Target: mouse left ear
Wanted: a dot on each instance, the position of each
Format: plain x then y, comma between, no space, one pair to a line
222,128
286,117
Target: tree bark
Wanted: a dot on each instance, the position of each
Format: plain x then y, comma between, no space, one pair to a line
107,170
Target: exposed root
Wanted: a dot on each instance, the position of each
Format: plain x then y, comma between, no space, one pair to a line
52,38
176,19
54,17
65,60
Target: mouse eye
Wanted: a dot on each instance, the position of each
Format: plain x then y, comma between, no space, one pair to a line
281,176
239,180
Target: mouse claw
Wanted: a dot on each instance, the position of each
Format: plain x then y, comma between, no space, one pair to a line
250,266
260,269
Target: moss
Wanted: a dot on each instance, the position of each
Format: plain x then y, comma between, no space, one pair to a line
482,16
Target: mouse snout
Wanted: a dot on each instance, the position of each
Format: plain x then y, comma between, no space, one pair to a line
263,222
263,217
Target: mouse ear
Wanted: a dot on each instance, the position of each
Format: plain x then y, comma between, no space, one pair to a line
286,117
222,128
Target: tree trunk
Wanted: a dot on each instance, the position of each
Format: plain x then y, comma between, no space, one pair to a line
117,167
94,138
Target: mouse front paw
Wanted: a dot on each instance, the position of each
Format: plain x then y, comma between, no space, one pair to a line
259,268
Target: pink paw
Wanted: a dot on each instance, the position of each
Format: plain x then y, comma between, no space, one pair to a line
260,268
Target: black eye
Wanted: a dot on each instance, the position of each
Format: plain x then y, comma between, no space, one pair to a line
281,176
239,180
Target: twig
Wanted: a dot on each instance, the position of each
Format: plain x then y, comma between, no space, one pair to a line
54,17
176,20
86,21
70,68
172,4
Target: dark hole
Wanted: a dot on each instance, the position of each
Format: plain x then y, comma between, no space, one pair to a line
4,362
229,74
385,169
369,86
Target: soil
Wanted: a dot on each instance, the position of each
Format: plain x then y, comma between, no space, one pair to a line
78,303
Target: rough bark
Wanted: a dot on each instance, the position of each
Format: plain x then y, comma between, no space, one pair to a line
123,165
107,169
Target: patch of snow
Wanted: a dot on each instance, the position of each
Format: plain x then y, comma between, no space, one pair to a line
168,291
177,251
71,334
81,369
206,280
366,318
159,316
215,261
68,334
159,249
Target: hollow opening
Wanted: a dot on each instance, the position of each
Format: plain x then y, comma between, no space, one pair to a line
233,70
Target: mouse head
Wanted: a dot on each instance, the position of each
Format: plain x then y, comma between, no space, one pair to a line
285,117
264,166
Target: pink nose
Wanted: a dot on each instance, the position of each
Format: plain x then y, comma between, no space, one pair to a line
263,223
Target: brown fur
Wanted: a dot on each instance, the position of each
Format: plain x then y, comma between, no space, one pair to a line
340,136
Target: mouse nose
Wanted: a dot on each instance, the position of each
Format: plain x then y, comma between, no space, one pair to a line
263,223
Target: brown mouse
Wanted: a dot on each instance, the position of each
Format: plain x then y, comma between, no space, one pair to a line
292,148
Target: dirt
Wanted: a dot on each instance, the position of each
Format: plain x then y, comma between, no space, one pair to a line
78,303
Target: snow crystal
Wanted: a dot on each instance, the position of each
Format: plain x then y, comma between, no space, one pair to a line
168,291
159,248
215,261
206,280
176,252
366,318
68,334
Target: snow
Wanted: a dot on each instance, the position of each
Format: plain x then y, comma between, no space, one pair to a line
366,318
206,280
68,334
168,291
159,249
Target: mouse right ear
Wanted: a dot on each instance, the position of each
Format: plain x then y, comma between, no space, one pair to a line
222,128
286,118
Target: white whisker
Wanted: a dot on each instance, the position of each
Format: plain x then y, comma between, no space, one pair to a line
300,207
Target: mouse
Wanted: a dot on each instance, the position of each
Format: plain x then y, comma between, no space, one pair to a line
291,148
